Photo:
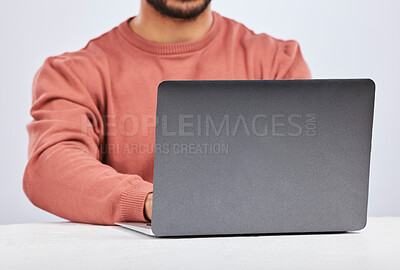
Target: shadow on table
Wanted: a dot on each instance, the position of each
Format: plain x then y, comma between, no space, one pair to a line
145,236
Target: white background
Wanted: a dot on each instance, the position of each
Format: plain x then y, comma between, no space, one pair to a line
339,39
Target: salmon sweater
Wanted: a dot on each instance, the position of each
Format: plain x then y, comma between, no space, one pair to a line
90,158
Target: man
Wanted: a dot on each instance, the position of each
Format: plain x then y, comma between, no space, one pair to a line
89,159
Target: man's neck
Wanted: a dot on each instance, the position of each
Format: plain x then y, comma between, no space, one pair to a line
152,26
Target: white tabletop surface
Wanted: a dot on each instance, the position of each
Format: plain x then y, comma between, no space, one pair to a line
80,246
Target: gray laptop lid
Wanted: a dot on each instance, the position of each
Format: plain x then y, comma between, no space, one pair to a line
256,157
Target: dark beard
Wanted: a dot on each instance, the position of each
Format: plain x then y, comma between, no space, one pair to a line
176,13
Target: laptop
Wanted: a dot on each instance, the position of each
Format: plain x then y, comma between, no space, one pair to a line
261,157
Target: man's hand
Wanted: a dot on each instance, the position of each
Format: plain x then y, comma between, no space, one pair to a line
148,206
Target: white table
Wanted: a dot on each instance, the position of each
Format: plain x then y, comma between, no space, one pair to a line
80,246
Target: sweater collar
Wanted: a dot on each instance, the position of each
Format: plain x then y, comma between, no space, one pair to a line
170,48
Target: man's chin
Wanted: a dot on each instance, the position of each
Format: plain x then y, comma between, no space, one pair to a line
180,9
